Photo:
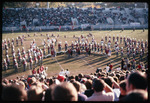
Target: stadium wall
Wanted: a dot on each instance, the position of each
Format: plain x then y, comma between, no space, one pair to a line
75,27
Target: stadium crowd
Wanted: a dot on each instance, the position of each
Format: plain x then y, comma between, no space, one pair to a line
63,16
123,85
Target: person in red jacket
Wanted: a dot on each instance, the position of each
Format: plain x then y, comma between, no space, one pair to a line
110,65
52,54
33,71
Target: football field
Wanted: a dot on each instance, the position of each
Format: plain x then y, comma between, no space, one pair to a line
76,64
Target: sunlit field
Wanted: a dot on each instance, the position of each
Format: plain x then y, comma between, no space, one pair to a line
76,64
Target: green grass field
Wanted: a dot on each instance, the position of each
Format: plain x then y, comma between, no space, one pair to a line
81,64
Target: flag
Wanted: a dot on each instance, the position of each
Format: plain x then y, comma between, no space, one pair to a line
59,28
72,27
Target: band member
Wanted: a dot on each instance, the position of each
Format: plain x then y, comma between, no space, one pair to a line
98,47
35,60
7,60
66,45
146,44
102,41
48,49
83,44
101,48
24,64
8,42
59,46
109,51
56,41
120,39
24,55
92,45
16,65
6,47
44,50
41,55
95,46
141,55
52,53
117,38
134,53
17,41
31,62
113,38
72,45
109,42
128,52
23,50
69,52
5,65
21,41
29,54
12,41
106,38
39,58
87,50
117,50
121,51
77,51
52,46
137,50
44,42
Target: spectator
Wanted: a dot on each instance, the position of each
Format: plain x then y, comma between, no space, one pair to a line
14,93
35,93
89,90
81,97
64,92
113,84
136,96
136,80
48,96
99,95
123,91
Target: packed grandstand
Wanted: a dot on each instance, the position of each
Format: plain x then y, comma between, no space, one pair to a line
60,16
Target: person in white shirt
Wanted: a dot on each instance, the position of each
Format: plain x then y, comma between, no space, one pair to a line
62,72
107,68
67,72
102,91
119,68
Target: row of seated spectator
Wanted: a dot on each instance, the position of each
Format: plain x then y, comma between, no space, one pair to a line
59,16
125,85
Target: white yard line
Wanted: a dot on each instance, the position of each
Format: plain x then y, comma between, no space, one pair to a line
59,63
87,63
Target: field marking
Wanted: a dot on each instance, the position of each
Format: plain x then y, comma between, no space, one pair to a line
86,62
59,64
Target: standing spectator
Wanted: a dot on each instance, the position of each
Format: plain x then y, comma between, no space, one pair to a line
67,73
14,93
110,69
35,93
89,90
123,91
77,85
107,68
99,95
136,81
64,92
113,84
